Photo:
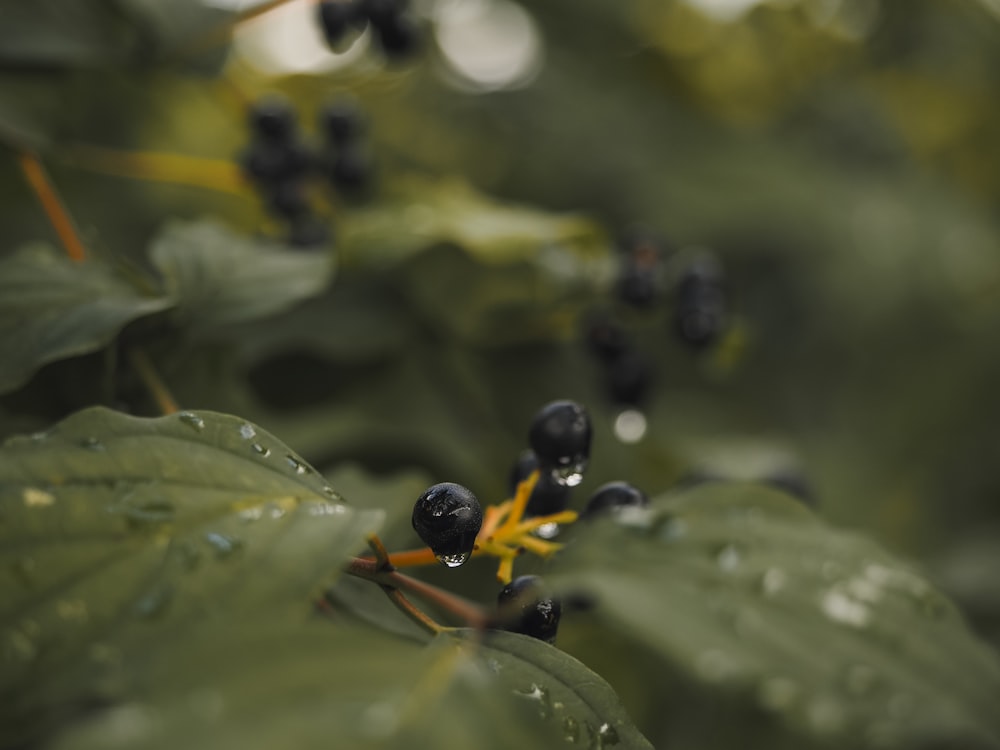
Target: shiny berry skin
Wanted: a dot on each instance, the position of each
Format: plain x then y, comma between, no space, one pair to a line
548,496
611,497
447,517
524,606
335,19
560,434
399,36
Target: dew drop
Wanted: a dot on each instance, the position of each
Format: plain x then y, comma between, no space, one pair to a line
729,558
192,420
145,513
328,490
608,735
777,693
571,729
570,475
841,608
326,509
249,515
540,694
154,602
260,450
547,531
247,432
297,466
92,444
453,561
224,545
773,581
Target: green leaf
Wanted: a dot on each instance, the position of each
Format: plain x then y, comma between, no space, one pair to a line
741,591
562,690
118,534
220,277
52,308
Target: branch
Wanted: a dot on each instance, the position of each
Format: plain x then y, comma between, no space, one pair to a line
57,214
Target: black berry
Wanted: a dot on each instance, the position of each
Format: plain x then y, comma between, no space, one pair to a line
447,517
637,287
606,339
272,162
336,18
611,497
629,378
287,199
272,120
399,36
560,435
547,496
700,313
524,606
351,170
382,12
341,123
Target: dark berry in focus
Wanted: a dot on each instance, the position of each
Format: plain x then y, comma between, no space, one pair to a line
611,497
524,606
336,19
560,435
341,122
700,313
447,517
272,120
547,496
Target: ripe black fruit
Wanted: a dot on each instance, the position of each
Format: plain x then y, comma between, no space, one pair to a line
272,120
448,517
524,606
700,313
341,123
560,435
629,378
606,339
613,496
336,19
399,36
548,496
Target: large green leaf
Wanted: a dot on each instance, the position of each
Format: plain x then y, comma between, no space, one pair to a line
52,308
561,689
221,277
743,592
120,534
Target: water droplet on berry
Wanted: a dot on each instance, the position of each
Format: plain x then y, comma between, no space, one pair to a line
192,420
260,450
570,475
92,444
453,561
547,531
247,432
224,545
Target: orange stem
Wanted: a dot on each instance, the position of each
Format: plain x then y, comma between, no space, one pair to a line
58,216
153,382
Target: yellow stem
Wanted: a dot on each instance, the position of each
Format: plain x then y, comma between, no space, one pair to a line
519,504
54,209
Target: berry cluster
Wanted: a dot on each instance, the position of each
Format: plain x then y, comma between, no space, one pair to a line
393,26
281,164
699,314
450,520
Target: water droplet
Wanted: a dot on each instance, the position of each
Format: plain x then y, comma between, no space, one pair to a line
494,666
92,444
841,608
192,420
608,735
328,490
247,432
223,544
260,450
630,426
146,512
773,581
453,561
327,509
540,694
547,531
154,602
571,729
860,679
570,475
249,515
39,437
777,693
729,558
297,465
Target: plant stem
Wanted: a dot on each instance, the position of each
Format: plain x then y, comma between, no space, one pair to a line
153,382
57,214
381,555
408,608
446,601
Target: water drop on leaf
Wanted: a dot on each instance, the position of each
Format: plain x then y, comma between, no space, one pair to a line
192,420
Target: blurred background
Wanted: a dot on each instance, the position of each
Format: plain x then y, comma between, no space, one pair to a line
839,159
